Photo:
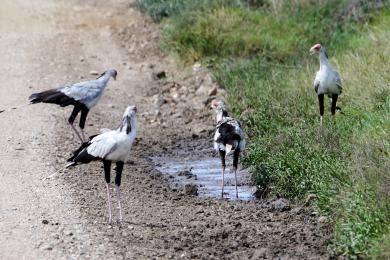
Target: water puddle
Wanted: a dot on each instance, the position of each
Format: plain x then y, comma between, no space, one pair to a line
206,175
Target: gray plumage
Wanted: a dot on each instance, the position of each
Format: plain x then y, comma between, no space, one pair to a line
327,80
83,96
88,92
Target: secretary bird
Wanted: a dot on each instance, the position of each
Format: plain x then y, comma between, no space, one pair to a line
228,137
327,81
83,96
108,147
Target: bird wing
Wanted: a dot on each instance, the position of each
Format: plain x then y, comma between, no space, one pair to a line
104,144
338,79
84,91
316,83
229,128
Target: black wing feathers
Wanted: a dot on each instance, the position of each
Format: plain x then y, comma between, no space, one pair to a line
227,134
81,155
52,96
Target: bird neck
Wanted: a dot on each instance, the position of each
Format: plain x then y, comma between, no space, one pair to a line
128,126
104,79
324,62
221,114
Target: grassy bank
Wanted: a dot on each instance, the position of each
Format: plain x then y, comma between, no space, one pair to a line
259,50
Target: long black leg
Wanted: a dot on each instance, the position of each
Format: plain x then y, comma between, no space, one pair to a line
83,118
321,103
119,169
107,173
222,154
74,114
236,155
71,119
334,101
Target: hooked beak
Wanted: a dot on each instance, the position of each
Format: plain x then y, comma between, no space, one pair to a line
313,51
114,76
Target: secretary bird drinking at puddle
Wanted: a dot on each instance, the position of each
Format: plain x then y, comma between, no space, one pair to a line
228,138
83,96
108,147
326,82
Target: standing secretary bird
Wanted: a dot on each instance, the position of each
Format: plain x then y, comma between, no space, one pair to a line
108,147
83,96
327,81
228,137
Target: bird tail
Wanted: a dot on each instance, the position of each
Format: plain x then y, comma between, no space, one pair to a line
56,172
35,98
53,96
70,165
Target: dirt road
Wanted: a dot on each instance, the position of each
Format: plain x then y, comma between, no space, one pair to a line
44,43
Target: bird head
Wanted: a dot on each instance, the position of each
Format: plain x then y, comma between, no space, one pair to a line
316,48
130,111
219,108
110,72
128,119
113,73
217,105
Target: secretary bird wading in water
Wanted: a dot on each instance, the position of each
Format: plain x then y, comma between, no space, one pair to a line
327,81
83,96
108,147
228,138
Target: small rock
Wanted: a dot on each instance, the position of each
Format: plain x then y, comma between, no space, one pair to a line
94,73
322,219
191,189
280,205
213,91
310,198
45,221
196,67
314,213
261,192
185,173
160,75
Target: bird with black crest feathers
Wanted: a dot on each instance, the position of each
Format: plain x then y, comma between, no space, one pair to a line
326,82
111,146
83,96
228,137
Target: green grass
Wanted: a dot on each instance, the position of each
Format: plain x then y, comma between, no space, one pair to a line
160,9
348,166
260,55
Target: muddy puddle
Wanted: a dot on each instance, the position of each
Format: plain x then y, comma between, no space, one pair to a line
205,175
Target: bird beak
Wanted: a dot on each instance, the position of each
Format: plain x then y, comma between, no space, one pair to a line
114,76
313,50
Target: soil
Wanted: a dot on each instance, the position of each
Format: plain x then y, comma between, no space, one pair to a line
45,43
